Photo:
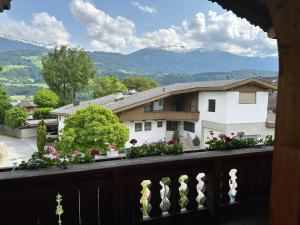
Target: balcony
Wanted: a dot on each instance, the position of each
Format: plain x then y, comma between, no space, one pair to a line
223,187
161,115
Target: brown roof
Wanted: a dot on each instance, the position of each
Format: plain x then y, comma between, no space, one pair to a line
4,4
255,11
26,104
144,97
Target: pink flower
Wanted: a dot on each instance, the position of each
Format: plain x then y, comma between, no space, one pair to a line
112,146
222,136
56,154
77,153
51,149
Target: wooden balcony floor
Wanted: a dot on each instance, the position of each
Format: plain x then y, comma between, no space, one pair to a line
247,216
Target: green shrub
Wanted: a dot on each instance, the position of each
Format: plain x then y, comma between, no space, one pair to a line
45,99
41,136
159,148
4,104
92,127
176,136
51,140
43,113
196,141
224,142
52,157
16,117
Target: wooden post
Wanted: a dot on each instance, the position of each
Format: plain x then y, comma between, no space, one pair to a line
285,193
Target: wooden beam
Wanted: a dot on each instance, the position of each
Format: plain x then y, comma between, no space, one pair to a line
285,193
4,5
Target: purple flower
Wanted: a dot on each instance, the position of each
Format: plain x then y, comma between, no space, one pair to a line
240,134
222,136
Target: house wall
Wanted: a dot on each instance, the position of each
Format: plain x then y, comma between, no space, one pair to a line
153,135
61,124
230,116
228,109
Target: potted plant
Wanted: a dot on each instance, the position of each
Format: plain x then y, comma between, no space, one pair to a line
112,150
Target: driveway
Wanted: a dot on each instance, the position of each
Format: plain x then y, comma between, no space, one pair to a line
17,150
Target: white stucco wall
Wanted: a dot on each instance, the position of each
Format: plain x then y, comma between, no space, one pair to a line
153,135
61,124
230,116
228,109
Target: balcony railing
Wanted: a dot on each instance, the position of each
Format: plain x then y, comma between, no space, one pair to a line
111,192
161,115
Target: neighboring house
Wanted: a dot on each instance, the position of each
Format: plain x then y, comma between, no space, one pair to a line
30,107
193,108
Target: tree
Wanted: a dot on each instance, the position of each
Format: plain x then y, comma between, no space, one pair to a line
67,71
43,113
140,83
41,136
92,127
4,104
107,85
16,117
45,99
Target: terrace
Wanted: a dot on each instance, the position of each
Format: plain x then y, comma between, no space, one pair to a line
109,192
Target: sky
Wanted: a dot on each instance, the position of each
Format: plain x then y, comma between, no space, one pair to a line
125,26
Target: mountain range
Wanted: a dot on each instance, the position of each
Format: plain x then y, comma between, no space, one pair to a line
22,63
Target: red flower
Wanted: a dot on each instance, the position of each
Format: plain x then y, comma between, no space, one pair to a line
171,142
133,141
94,152
227,139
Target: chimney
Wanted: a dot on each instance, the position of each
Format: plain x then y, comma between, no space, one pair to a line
76,102
131,92
119,96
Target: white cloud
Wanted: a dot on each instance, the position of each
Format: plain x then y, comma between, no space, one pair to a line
225,32
107,33
44,29
144,8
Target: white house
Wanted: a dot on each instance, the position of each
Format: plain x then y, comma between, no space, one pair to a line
196,108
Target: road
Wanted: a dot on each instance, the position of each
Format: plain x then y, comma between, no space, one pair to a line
18,150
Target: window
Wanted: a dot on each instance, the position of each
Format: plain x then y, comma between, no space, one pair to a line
159,123
247,98
147,126
172,125
138,127
194,106
148,107
154,106
189,126
211,105
158,106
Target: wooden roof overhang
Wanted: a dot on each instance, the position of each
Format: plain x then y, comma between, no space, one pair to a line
230,87
4,5
255,11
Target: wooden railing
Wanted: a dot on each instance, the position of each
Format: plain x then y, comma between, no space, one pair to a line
110,192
